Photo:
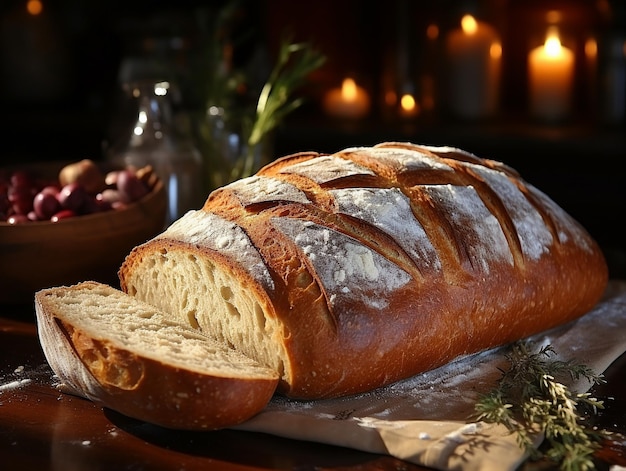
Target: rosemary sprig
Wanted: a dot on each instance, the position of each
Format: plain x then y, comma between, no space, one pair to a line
529,399
295,62
220,87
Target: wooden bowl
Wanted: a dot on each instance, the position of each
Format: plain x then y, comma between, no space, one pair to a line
38,255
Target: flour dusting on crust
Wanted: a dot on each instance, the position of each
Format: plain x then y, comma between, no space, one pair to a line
347,269
485,242
403,159
257,189
327,168
209,230
447,150
389,210
534,236
566,226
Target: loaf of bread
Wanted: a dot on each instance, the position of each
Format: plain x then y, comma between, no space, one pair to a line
346,272
123,354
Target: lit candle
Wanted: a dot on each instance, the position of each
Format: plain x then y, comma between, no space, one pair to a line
551,72
409,108
350,101
474,55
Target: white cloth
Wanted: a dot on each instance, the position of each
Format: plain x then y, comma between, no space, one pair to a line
424,419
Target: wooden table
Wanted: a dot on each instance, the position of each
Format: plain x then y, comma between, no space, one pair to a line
42,429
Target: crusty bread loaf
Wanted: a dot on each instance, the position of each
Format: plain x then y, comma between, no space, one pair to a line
347,272
124,354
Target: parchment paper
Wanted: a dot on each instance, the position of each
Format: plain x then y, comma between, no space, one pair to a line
424,419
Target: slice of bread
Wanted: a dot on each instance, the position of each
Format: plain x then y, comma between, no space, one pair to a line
126,355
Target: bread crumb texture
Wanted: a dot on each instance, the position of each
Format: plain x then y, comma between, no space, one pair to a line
113,331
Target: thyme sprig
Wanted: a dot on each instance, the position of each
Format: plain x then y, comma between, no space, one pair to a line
530,399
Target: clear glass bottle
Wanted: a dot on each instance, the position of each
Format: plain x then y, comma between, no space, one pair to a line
155,140
227,155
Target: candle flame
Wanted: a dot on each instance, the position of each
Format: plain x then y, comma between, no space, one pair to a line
591,48
390,98
348,89
469,24
34,7
553,43
408,103
495,50
432,32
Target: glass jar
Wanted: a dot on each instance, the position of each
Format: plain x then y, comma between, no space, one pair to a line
155,140
226,152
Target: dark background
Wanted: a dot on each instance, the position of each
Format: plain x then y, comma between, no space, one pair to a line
61,73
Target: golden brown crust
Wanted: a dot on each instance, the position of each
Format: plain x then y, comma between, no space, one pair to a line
153,392
466,294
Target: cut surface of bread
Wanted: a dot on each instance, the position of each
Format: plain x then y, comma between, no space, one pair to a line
203,288
126,355
349,271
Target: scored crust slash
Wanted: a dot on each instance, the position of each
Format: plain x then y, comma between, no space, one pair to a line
330,275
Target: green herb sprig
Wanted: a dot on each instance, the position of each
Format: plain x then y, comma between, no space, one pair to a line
294,63
222,87
529,399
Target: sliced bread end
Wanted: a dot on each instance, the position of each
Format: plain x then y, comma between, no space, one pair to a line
125,355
